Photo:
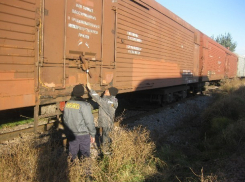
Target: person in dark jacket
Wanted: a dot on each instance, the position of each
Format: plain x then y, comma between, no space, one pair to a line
107,108
79,120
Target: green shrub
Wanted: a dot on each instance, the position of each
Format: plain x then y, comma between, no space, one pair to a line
219,124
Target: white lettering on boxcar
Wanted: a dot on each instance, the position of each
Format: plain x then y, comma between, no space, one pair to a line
133,47
82,28
133,34
133,52
83,14
85,23
79,6
88,9
80,43
83,36
134,39
87,44
187,72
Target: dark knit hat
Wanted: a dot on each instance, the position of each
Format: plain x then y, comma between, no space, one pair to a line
78,91
113,91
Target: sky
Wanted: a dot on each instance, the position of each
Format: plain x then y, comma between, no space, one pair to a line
213,17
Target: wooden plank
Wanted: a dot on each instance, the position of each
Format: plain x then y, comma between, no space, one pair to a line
16,43
10,60
18,4
154,16
169,58
10,27
16,87
161,40
17,101
30,1
145,48
145,75
16,51
16,68
17,12
11,20
16,36
152,25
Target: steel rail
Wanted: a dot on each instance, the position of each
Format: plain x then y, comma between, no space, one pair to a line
16,133
131,119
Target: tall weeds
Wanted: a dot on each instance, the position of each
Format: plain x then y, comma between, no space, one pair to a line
230,85
224,121
132,159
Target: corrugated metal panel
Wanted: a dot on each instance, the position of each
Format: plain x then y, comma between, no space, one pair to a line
231,67
212,59
241,67
17,53
215,61
151,46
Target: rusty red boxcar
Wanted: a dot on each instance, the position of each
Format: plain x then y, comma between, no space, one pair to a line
216,61
47,47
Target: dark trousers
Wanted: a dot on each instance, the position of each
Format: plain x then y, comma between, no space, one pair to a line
81,144
106,140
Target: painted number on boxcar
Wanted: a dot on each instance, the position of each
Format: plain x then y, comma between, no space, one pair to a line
133,37
133,49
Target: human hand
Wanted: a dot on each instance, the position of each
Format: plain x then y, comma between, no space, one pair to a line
92,139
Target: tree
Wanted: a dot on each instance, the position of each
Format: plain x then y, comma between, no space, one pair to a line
226,41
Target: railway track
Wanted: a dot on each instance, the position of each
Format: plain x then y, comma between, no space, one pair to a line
134,113
10,135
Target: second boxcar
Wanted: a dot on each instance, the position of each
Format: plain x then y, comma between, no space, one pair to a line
216,61
241,67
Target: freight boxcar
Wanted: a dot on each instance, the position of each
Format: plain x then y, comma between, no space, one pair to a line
231,65
241,67
47,47
216,61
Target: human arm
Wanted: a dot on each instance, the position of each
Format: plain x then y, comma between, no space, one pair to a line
108,105
102,102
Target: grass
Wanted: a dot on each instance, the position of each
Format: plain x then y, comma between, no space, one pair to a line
224,121
16,123
15,117
207,140
230,85
132,159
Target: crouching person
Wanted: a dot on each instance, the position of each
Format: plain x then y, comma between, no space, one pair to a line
79,120
107,108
